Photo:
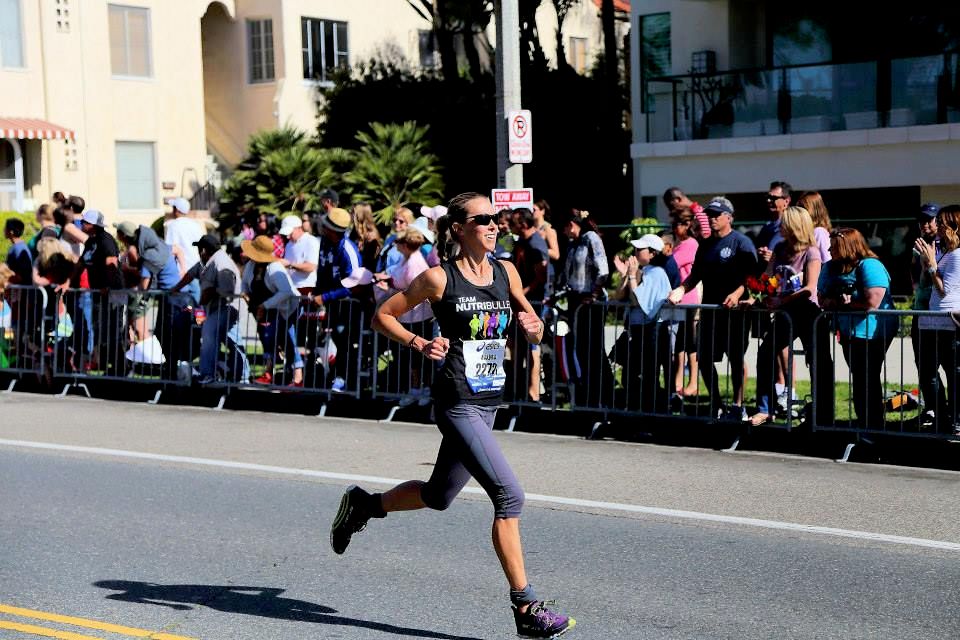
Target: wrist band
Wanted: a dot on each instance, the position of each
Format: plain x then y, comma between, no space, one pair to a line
412,340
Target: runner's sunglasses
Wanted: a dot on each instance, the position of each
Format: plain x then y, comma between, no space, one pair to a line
482,220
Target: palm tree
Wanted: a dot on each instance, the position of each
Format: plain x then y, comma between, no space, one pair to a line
281,173
394,165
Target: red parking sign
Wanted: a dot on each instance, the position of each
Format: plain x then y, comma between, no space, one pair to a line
511,199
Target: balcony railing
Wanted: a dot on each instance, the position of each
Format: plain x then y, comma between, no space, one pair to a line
804,99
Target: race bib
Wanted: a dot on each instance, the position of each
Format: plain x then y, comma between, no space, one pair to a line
484,364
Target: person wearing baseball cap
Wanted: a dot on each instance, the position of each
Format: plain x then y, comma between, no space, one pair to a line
646,286
100,253
220,292
723,263
153,256
301,255
91,217
329,199
659,258
100,258
183,231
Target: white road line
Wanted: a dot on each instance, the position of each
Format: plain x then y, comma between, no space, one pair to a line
557,500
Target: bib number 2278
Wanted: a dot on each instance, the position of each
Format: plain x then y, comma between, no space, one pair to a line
484,364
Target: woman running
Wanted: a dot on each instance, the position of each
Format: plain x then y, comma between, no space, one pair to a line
466,394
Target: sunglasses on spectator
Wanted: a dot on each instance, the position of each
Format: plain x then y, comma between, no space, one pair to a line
836,234
773,199
482,220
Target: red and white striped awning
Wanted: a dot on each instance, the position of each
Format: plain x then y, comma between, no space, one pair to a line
33,129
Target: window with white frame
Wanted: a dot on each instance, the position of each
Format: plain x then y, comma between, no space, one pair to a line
130,54
324,48
136,175
260,45
577,54
11,34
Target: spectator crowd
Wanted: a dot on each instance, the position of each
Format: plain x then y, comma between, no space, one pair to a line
693,296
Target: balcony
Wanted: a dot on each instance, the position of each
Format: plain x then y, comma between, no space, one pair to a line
902,92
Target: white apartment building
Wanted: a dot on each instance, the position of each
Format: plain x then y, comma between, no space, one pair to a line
132,102
861,103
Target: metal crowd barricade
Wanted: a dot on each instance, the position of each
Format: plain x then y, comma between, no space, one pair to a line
299,347
897,378
144,337
402,374
25,342
535,373
625,367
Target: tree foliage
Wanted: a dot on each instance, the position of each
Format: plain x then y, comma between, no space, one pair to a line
567,113
459,112
394,165
281,173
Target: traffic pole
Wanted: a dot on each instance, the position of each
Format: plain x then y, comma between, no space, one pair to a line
509,176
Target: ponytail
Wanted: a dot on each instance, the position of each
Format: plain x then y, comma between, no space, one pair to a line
444,238
456,212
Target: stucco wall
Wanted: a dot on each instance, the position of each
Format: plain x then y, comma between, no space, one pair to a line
69,81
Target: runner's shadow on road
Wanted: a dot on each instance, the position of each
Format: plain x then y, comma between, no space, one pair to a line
254,601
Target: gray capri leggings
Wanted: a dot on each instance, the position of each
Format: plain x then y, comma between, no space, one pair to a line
469,449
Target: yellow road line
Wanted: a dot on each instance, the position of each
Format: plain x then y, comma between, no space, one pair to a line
43,631
83,622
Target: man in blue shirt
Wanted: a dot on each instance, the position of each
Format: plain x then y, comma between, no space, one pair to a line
340,276
722,263
18,257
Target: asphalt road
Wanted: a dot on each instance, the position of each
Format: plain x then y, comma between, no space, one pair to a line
232,542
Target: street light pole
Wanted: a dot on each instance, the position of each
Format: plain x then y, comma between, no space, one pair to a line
509,176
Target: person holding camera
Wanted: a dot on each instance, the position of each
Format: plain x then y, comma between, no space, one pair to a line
938,334
922,283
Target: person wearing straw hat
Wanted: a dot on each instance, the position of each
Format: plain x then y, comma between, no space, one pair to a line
275,301
341,275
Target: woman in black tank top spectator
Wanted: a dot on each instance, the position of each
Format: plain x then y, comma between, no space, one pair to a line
474,298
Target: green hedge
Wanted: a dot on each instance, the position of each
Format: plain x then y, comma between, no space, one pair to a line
30,228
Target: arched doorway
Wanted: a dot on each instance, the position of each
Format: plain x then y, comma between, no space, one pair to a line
221,85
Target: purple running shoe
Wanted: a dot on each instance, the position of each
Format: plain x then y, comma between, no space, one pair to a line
540,622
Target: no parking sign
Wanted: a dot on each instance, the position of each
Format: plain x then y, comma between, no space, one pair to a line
521,137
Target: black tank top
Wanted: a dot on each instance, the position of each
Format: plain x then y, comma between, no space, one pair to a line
480,316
